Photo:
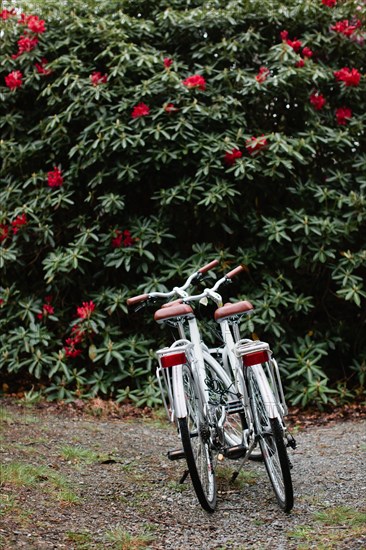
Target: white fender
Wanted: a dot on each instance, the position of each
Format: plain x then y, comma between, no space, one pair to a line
178,392
267,393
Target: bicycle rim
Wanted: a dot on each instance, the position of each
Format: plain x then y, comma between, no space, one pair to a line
195,436
273,448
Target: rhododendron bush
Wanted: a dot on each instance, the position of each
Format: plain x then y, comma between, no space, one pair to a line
140,140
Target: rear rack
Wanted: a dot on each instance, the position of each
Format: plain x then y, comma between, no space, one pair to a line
246,350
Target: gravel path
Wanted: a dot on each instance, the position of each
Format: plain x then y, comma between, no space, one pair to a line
129,496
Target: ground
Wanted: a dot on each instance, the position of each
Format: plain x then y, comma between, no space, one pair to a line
80,478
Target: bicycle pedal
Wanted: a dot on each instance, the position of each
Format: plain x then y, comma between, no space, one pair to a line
234,407
291,441
178,454
237,451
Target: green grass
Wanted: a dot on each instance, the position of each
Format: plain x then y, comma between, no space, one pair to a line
79,454
121,539
9,418
341,515
330,527
81,540
246,477
7,503
158,419
5,416
19,474
178,487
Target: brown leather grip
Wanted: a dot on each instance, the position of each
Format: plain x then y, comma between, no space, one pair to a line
137,299
235,271
209,266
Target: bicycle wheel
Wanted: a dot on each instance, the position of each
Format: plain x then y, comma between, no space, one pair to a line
195,435
271,441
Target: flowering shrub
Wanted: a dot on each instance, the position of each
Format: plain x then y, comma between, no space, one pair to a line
140,141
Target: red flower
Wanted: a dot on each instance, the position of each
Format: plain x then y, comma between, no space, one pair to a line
97,78
18,222
14,80
4,232
170,108
5,14
123,239
317,100
35,24
167,62
294,44
78,334
47,309
343,115
344,27
54,178
255,144
128,240
307,52
26,44
329,3
141,109
117,240
41,67
195,81
24,19
70,349
350,77
85,311
231,157
262,75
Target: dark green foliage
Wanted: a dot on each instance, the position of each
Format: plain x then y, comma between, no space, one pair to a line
292,211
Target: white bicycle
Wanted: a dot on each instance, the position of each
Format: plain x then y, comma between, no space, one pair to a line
225,401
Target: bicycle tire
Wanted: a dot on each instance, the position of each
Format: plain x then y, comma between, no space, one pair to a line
271,441
195,436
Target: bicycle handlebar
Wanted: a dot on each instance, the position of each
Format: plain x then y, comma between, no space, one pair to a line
235,271
140,301
137,300
209,266
212,292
